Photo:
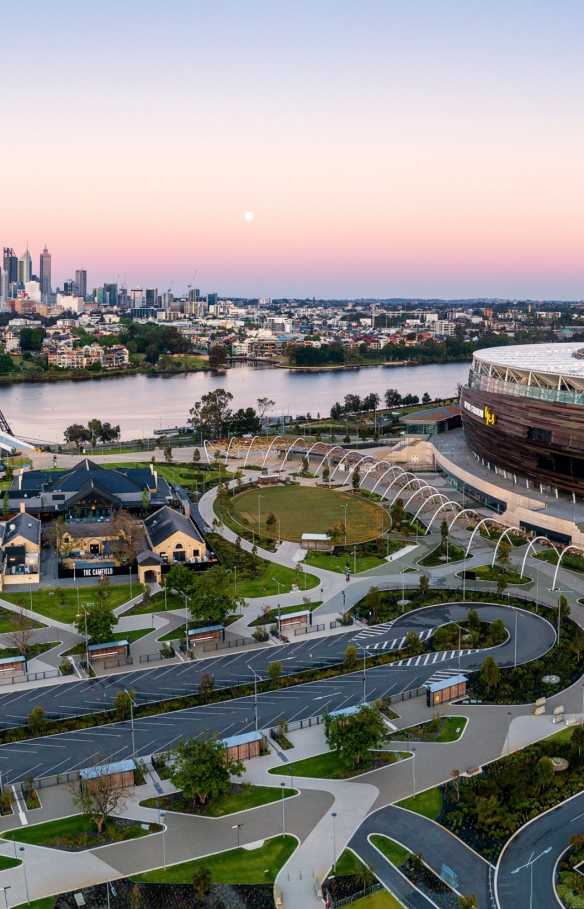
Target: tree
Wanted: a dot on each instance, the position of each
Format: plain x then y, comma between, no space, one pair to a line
578,738
490,674
168,453
563,607
123,704
424,583
101,794
364,875
145,500
217,356
275,673
503,563
212,413
326,472
201,768
202,880
545,773
353,737
398,515
392,397
444,533
152,354
36,721
22,633
474,622
497,632
264,406
6,363
211,594
77,434
206,686
455,777
271,522
196,456
6,503
426,398
31,338
103,586
100,623
468,902
356,479
413,644
350,656
135,897
127,535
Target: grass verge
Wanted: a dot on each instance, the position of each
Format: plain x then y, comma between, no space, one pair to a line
61,603
237,866
428,803
254,797
392,851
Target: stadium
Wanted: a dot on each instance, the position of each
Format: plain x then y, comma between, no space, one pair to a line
523,413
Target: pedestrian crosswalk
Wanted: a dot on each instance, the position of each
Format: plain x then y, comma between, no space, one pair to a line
397,643
430,659
375,632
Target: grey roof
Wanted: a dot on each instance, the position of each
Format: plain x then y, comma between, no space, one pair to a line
147,557
23,525
441,684
94,529
90,773
163,523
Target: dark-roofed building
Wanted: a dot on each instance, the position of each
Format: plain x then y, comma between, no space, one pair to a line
171,537
88,492
432,422
20,544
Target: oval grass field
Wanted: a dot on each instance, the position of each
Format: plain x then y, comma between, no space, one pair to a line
304,509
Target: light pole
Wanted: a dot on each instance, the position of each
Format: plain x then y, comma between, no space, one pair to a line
187,600
345,507
238,828
364,701
6,895
354,560
334,816
460,629
508,731
30,591
530,865
291,772
279,583
132,705
581,721
162,816
260,497
25,877
86,637
130,582
255,693
414,768
283,815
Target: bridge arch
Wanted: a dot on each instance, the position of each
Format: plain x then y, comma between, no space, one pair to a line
439,495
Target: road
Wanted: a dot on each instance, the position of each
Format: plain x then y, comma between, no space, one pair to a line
50,755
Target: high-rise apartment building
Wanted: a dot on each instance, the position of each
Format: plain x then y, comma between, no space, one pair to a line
137,296
10,261
45,274
25,267
110,292
151,296
194,294
3,287
212,298
69,286
81,282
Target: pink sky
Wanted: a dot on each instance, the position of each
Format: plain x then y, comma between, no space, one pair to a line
385,149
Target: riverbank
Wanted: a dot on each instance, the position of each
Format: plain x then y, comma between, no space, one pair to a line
85,375
345,367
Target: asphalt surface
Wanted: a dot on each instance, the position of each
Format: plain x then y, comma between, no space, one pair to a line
554,830
534,637
51,755
418,834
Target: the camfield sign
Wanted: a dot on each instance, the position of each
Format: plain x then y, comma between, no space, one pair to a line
483,412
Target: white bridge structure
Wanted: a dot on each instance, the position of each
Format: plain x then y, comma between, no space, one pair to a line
8,441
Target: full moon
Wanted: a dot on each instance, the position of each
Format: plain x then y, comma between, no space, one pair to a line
248,216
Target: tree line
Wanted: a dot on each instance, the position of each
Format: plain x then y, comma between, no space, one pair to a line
354,404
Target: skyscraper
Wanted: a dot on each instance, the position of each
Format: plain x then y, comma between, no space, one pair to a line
45,275
111,294
10,265
81,282
152,296
25,267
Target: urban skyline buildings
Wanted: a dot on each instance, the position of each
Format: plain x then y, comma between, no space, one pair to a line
45,275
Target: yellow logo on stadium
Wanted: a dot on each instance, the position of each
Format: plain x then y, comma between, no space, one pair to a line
490,417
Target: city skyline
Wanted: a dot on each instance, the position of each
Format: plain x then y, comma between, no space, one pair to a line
405,150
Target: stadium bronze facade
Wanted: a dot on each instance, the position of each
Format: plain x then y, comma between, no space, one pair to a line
523,412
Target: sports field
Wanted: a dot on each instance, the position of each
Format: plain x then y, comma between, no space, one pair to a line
304,509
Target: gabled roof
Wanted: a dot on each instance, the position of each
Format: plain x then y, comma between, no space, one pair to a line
23,525
165,522
91,485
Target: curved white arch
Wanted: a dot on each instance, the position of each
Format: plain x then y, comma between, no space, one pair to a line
472,536
464,511
393,467
532,543
329,452
206,451
350,452
563,553
355,466
440,507
421,484
232,440
249,449
270,448
504,534
418,491
395,479
439,495
290,447
314,444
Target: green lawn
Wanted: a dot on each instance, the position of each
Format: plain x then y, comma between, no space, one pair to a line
322,766
571,561
7,862
452,730
44,834
47,902
265,584
337,562
253,797
347,863
393,852
491,573
7,618
237,866
134,635
381,900
48,602
173,473
304,509
438,556
175,635
157,605
428,803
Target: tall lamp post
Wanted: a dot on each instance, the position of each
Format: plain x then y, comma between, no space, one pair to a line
187,601
283,815
530,865
360,646
414,769
345,507
334,817
260,497
508,731
6,895
86,638
162,816
25,877
132,705
255,693
238,828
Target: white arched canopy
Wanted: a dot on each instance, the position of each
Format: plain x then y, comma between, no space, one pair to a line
422,489
428,501
400,476
290,448
231,441
501,538
439,509
405,486
249,450
206,451
347,455
527,551
328,454
460,513
393,467
562,554
270,448
479,525
355,466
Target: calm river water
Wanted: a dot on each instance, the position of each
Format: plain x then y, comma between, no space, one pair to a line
141,404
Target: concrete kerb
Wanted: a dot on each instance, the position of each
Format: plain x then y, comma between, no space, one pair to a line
397,870
445,829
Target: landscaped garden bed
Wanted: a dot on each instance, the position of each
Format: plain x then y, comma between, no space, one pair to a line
569,878
130,894
492,573
254,576
470,633
241,797
329,765
78,833
442,555
439,729
61,602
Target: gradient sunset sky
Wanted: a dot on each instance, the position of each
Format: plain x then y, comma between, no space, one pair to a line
385,147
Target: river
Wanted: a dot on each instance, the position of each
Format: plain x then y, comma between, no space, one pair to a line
141,404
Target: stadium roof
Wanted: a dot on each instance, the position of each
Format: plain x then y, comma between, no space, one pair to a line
559,366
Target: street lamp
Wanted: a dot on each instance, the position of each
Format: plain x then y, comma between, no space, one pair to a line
283,816
508,731
530,865
132,705
279,583
291,772
162,816
260,497
334,816
255,693
25,877
187,601
414,768
6,895
460,630
238,828
364,673
86,637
